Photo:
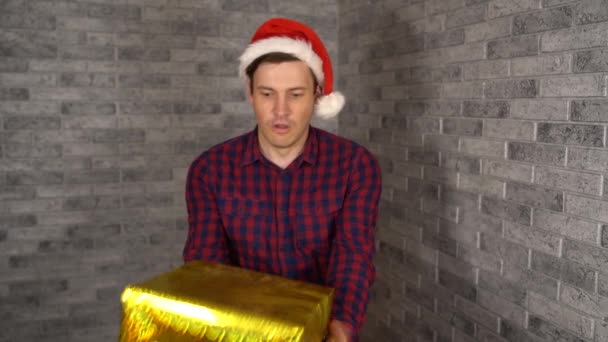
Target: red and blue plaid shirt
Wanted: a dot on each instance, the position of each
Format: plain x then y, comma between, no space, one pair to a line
313,221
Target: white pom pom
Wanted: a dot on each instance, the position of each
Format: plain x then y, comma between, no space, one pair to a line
330,105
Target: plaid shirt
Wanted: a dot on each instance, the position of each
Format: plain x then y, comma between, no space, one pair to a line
313,221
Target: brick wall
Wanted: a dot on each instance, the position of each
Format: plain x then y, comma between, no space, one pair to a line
103,104
489,119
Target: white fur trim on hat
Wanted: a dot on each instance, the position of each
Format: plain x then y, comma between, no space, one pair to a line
299,48
330,105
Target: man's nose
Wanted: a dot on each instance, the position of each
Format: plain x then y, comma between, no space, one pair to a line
281,105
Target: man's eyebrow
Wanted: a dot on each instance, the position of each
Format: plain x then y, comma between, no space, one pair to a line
262,87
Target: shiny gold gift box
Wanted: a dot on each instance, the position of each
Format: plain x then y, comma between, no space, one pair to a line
203,301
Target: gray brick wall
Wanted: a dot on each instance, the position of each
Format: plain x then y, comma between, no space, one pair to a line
103,104
489,119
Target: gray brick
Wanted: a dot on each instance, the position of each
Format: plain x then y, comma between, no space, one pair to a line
114,11
591,11
15,123
584,135
491,29
513,253
434,108
513,47
119,135
34,177
147,175
539,109
525,88
508,129
493,282
497,8
482,147
144,54
537,153
27,44
27,80
446,38
534,239
462,287
423,157
589,110
13,65
86,108
541,65
99,53
27,21
89,121
535,196
441,176
587,183
602,284
92,176
512,332
547,331
483,185
587,159
586,254
14,94
486,69
87,80
507,310
91,203
449,73
16,137
465,16
16,193
601,330
575,38
486,109
441,142
17,221
604,236
592,85
508,170
144,81
468,127
442,6
534,281
33,151
565,270
568,226
461,163
550,19
145,108
587,207
464,90
554,312
591,61
506,210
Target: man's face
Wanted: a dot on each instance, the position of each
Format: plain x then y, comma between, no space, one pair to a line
283,98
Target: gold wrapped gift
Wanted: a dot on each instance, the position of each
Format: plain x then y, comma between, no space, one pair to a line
203,301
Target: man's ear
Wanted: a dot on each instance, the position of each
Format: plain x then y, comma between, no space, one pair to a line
248,90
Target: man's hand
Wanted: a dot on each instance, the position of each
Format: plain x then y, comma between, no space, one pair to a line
338,332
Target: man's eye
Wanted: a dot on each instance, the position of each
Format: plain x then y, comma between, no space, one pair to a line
296,95
266,94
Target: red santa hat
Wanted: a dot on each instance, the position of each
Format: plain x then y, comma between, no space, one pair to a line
299,40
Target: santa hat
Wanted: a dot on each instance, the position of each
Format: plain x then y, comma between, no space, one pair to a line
299,40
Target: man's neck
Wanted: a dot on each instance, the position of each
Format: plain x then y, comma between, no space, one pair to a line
282,157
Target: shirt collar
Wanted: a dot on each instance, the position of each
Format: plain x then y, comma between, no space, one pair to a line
252,152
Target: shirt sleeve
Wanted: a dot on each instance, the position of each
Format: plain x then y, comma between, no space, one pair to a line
351,271
206,238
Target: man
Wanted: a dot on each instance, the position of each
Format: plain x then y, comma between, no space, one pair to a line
288,198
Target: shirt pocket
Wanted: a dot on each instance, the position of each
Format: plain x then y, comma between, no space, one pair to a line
247,223
315,228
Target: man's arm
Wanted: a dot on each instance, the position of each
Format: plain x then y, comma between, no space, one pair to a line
206,239
351,271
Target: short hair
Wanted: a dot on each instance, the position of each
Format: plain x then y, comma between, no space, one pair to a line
274,58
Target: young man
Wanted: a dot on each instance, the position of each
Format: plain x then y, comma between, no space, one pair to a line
288,198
